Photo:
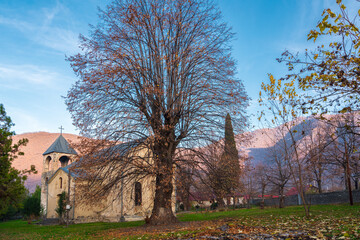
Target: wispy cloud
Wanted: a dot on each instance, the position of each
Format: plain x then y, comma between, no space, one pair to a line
33,118
20,25
59,39
311,13
13,76
50,13
46,32
30,123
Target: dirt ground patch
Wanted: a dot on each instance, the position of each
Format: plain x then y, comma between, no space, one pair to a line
148,230
214,229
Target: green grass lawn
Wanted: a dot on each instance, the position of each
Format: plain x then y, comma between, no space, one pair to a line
20,229
340,221
338,210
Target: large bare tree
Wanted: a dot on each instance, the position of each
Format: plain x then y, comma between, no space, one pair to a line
159,70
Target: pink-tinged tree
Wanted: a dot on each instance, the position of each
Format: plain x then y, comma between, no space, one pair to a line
262,182
316,163
161,71
278,174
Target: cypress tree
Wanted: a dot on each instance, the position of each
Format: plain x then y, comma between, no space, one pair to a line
230,144
224,176
230,159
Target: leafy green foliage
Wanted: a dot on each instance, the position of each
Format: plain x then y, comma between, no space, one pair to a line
32,204
12,189
229,162
12,212
224,171
60,210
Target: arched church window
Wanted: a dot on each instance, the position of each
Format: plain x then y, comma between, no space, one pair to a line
60,182
46,180
64,160
138,197
47,163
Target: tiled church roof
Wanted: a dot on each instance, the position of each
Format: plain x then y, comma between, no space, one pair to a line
115,152
61,146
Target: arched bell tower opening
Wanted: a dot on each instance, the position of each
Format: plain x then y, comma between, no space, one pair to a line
47,164
64,161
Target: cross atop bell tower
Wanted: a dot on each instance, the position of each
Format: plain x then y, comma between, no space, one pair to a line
61,129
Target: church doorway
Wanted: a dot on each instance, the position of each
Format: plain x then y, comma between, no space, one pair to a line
138,194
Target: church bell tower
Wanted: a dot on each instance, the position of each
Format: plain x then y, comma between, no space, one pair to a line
58,155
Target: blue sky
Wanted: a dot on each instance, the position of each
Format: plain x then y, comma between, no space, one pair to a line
36,35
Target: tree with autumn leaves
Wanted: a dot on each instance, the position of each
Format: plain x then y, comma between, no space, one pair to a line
161,71
331,72
323,81
281,100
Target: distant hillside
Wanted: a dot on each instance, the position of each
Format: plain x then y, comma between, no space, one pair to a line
38,143
263,140
260,141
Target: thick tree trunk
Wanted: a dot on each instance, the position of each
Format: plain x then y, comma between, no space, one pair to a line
348,174
281,198
356,180
346,185
320,186
187,203
221,203
162,213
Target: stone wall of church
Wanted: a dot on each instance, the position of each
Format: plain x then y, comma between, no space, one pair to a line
118,206
56,185
51,164
44,188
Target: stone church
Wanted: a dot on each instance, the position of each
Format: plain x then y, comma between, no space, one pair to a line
127,203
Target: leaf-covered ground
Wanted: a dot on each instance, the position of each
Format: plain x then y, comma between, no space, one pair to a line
326,222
